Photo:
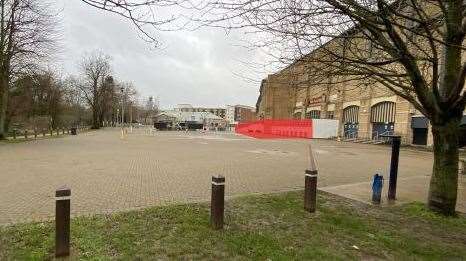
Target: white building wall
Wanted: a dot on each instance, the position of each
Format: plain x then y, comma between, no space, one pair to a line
324,128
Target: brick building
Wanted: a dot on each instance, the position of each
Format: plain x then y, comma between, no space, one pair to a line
239,113
366,111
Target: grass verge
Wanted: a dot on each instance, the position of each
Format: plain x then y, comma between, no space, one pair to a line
260,227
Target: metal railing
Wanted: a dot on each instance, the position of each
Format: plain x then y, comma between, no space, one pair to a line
41,132
381,136
350,135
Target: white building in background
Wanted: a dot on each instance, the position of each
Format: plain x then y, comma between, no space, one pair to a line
177,119
185,107
230,114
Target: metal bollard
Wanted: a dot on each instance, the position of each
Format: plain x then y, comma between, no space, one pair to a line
26,134
62,221
396,141
217,203
14,134
310,184
35,133
377,186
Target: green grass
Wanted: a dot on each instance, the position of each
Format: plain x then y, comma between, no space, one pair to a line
259,227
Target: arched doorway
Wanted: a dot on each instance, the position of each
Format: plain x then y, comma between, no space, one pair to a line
351,121
383,119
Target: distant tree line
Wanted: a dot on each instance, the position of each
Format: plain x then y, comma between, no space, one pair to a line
43,99
33,96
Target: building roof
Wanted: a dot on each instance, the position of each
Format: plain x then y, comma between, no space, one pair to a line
184,105
241,106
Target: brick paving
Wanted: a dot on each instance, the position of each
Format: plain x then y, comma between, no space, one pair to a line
107,173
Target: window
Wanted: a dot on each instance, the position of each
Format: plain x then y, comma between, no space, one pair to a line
314,114
330,114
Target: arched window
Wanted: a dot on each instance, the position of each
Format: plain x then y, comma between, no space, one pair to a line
351,114
383,112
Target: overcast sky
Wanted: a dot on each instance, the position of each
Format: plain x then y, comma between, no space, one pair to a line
204,67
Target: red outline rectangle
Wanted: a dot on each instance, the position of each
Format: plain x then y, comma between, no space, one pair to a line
272,129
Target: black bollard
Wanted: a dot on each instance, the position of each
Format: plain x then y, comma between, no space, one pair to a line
310,184
25,134
217,204
62,221
14,134
396,141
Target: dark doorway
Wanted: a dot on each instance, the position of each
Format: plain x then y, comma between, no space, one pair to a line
420,136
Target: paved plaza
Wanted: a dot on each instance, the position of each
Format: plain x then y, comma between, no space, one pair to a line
107,173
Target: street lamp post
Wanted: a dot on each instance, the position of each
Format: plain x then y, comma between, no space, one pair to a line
122,89
131,116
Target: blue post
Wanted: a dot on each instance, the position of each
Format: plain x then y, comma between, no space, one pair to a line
377,185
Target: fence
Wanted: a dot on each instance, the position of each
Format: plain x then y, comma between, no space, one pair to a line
35,133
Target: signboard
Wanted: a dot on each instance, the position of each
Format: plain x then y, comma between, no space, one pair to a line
314,101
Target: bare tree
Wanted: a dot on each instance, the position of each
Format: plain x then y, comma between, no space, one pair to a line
107,99
26,36
36,99
150,109
415,48
148,16
128,99
95,69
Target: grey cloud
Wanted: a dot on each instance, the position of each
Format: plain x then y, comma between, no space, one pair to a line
195,67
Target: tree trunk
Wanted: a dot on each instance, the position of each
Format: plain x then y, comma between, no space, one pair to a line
3,107
444,181
95,119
